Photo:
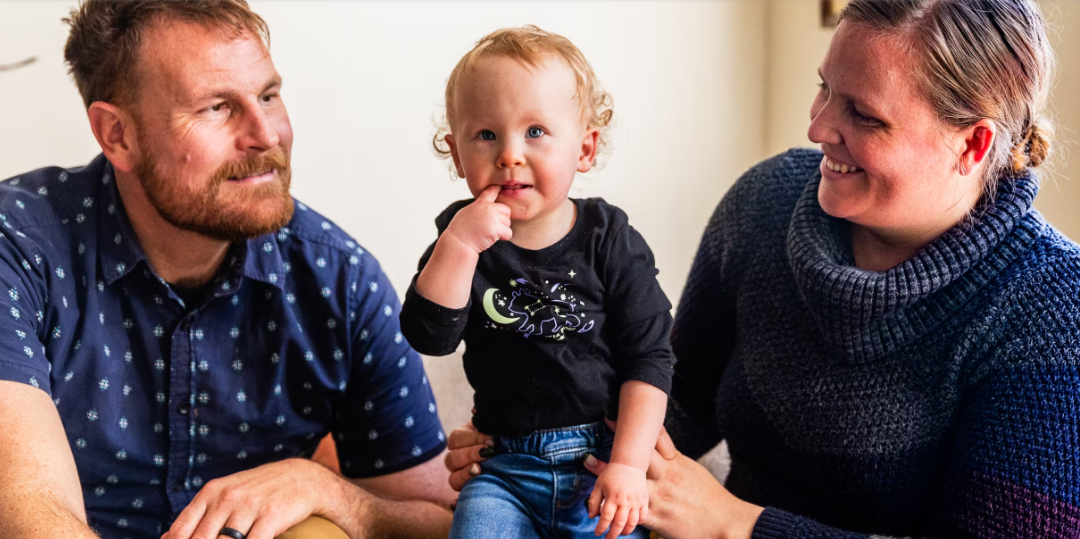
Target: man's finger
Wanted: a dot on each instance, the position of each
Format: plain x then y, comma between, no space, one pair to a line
466,435
241,522
266,528
212,522
490,193
189,518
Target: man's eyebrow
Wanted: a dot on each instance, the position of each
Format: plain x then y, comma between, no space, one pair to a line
226,93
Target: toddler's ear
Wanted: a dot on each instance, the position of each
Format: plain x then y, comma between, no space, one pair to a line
454,154
589,145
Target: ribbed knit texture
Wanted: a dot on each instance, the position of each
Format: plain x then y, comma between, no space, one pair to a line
940,398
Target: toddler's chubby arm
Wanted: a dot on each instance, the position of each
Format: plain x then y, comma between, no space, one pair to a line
621,485
447,278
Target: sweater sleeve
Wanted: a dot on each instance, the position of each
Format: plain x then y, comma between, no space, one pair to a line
1013,470
702,339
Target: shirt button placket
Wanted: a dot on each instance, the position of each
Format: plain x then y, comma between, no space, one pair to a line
181,416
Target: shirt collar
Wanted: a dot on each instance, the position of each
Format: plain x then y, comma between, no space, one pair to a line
262,258
117,244
120,250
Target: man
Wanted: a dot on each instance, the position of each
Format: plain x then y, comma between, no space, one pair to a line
176,330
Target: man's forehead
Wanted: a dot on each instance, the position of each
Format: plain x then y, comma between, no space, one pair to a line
190,59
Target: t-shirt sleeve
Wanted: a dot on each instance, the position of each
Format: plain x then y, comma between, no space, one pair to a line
389,421
429,327
638,312
22,355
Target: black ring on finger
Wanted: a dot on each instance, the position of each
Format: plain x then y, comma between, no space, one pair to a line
229,532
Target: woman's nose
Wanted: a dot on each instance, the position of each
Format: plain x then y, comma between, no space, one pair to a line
824,123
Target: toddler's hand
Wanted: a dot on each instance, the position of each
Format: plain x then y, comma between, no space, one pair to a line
480,224
626,500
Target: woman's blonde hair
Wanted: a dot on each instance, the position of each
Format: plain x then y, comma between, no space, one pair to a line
531,45
978,59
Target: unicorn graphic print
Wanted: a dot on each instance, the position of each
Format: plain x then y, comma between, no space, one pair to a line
548,312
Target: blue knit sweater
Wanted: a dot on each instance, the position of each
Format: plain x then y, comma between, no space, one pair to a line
940,398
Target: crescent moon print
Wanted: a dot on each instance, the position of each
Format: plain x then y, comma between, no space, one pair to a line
489,308
551,314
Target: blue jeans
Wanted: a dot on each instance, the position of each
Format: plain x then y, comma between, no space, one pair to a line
535,486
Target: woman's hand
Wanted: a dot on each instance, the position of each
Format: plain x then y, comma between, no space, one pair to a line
467,449
685,500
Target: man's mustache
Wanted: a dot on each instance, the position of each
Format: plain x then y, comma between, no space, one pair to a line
275,159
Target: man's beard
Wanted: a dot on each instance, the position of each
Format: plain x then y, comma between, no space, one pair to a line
250,212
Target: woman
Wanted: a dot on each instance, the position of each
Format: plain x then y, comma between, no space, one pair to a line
884,331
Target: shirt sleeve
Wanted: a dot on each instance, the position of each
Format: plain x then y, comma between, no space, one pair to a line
22,354
389,421
638,312
429,327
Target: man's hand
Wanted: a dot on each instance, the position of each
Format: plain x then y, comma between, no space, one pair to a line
480,224
626,500
262,502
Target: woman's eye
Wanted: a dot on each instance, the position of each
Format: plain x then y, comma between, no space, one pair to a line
863,119
487,135
535,132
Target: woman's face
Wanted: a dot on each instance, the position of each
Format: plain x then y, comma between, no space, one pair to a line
872,120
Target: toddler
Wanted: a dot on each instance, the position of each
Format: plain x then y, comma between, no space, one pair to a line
556,298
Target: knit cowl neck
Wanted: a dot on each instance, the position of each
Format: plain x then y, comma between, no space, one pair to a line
865,315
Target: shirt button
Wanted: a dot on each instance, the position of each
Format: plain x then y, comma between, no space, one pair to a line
178,486
182,408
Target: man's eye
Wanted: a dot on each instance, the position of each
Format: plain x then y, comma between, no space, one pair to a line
535,132
268,98
487,135
217,107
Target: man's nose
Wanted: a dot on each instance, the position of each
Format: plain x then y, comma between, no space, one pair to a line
258,131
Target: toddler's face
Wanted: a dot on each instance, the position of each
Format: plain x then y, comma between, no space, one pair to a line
521,128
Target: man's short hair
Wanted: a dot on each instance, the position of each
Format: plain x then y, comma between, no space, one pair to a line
102,49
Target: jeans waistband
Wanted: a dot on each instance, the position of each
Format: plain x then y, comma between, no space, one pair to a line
552,442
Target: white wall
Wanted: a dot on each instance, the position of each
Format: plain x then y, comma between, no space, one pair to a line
363,81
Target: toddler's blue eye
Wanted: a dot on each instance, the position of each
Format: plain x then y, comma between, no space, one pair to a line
487,135
535,132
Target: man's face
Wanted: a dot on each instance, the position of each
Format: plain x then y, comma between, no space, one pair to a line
213,134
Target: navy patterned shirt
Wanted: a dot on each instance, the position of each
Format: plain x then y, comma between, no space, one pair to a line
298,336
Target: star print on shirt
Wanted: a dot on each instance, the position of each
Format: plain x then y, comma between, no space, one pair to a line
571,274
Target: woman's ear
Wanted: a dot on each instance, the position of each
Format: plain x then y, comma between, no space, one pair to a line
589,146
454,155
115,133
978,141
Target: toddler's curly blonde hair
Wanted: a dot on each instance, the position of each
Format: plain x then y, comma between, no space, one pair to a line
530,45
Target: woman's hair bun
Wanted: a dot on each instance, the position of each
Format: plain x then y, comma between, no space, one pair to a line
1033,149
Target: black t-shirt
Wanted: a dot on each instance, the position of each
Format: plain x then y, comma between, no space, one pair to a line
551,334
